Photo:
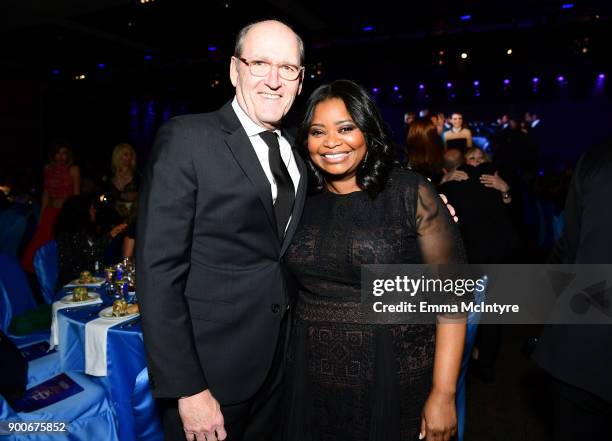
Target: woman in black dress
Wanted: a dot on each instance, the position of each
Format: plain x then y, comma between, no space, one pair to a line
79,243
349,380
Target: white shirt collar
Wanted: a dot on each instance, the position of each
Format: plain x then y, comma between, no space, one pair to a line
249,125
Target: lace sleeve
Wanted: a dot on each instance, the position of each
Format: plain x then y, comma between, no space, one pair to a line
440,243
438,236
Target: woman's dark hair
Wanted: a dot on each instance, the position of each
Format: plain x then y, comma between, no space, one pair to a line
75,216
373,173
57,145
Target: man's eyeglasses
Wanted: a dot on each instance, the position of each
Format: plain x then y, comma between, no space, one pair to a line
260,68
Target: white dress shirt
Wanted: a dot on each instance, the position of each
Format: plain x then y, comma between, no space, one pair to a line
261,150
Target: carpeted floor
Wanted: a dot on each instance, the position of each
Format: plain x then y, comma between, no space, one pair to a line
514,406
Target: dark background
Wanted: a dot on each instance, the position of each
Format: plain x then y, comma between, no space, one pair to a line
144,63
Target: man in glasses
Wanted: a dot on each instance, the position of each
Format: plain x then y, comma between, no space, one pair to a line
222,195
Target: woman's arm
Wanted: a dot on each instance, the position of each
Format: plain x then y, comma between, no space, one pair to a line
469,141
440,243
76,179
128,246
495,181
439,419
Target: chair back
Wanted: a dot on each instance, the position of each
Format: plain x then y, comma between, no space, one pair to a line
6,411
12,227
15,293
46,267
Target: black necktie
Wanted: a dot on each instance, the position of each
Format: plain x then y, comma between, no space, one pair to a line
285,191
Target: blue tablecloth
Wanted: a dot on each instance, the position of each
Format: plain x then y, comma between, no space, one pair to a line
125,360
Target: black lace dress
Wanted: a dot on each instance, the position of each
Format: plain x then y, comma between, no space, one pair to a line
347,380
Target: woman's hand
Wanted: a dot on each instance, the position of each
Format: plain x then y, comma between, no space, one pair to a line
439,417
118,229
449,207
494,181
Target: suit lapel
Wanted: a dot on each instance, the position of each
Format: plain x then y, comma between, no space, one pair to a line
242,149
298,205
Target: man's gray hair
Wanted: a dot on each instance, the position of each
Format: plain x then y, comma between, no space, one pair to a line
242,35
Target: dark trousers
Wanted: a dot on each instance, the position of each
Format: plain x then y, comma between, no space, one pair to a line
579,415
257,419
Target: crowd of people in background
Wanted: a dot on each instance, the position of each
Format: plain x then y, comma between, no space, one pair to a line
514,146
508,208
446,149
440,147
93,222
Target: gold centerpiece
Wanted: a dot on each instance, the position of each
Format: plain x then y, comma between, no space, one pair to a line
80,294
86,277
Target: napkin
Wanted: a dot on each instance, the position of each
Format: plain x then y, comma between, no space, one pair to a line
96,332
54,340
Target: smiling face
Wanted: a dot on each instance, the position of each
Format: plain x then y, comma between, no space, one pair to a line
267,99
335,143
457,120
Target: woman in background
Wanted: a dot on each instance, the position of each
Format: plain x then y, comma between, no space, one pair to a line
62,179
122,188
425,149
80,244
459,136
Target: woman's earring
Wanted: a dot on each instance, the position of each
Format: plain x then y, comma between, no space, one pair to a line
365,158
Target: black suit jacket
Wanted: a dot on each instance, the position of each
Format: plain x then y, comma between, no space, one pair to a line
581,355
211,282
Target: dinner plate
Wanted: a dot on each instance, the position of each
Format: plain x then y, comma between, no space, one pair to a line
91,295
107,313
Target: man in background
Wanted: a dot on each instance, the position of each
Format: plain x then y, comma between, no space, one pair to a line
578,357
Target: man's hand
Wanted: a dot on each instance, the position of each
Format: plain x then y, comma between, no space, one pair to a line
449,207
455,175
202,418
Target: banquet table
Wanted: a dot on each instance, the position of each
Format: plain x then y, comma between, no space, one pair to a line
125,359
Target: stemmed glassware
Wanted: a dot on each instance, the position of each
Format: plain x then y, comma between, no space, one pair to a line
121,280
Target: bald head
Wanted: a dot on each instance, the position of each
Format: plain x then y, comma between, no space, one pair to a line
266,24
453,158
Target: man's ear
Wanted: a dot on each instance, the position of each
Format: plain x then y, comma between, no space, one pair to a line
233,71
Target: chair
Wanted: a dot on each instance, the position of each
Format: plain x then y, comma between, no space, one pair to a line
86,410
12,228
472,327
15,294
42,366
16,298
46,267
147,425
